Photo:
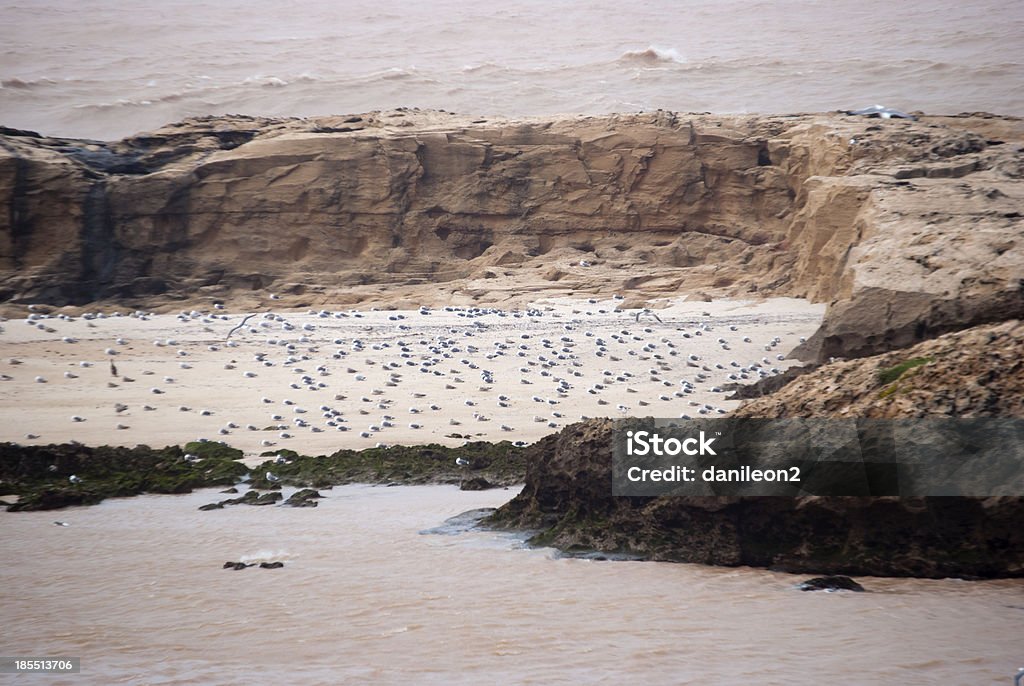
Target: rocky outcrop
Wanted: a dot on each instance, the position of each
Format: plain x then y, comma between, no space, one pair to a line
974,373
42,475
567,500
54,476
251,497
493,464
908,229
306,497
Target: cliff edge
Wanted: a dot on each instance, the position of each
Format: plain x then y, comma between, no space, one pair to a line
908,229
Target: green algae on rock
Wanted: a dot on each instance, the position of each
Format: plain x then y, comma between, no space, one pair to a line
42,475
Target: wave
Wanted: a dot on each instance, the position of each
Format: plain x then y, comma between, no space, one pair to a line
269,81
265,556
483,66
652,55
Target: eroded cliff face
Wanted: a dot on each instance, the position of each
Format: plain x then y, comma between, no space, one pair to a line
908,229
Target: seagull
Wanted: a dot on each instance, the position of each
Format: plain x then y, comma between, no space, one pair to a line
461,461
880,112
272,478
74,479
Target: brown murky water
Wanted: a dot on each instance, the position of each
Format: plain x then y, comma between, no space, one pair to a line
107,68
135,588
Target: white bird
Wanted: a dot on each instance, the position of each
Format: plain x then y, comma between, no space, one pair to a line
273,478
74,479
461,461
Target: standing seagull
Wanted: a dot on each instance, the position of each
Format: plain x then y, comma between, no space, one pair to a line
273,478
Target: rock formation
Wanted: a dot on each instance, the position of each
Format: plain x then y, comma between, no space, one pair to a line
908,229
567,498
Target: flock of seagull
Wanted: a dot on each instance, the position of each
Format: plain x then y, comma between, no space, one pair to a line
377,377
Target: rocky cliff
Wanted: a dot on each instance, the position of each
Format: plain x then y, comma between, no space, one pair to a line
908,229
567,498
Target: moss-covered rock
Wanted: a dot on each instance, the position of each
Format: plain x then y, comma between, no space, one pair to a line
500,464
567,503
41,475
304,498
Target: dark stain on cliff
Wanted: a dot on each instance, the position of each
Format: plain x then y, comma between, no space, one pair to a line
99,249
20,219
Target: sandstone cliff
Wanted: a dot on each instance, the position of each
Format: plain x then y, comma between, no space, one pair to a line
977,373
908,229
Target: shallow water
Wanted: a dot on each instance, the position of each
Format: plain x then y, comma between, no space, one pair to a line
135,588
106,68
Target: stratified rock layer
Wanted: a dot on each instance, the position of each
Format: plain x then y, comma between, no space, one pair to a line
976,373
909,229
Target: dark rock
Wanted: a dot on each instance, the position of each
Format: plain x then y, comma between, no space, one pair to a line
831,583
39,474
304,498
271,565
267,498
475,483
55,499
236,565
230,490
250,498
567,497
500,464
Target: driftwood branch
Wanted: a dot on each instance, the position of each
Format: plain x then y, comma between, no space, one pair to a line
649,313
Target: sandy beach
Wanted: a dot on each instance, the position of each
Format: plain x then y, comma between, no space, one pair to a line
315,381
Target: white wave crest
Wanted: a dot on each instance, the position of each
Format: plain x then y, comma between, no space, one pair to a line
653,54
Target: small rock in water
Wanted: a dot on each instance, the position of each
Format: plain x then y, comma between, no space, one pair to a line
830,583
303,498
236,565
271,565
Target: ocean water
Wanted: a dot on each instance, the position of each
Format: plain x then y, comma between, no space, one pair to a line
109,68
135,588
